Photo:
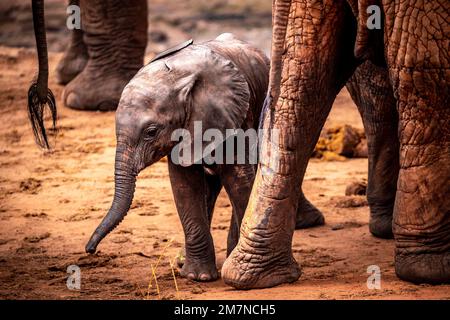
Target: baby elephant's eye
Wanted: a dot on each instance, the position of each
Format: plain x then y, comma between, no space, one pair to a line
150,133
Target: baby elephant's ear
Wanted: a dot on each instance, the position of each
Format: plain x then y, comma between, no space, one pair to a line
217,95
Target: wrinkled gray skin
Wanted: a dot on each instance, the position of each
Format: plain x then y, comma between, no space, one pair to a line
317,47
221,83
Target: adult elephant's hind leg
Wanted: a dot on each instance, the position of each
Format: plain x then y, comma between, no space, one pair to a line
115,34
371,91
422,205
75,57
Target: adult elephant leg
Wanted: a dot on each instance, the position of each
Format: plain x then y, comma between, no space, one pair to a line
115,35
75,57
422,207
189,188
312,59
308,215
419,69
371,91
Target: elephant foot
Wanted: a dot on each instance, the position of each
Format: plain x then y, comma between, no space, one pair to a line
71,64
249,271
381,225
95,89
308,215
199,270
433,268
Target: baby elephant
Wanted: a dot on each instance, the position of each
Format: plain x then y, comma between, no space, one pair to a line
221,84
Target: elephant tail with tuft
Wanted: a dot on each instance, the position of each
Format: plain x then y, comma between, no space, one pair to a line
39,95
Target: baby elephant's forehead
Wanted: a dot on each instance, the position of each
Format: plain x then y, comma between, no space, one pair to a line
146,95
149,86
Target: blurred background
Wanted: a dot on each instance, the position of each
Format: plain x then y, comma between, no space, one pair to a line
170,22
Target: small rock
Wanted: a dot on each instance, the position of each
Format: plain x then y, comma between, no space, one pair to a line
338,226
350,201
356,188
197,290
346,225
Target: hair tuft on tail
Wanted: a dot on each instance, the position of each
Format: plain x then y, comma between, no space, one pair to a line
36,108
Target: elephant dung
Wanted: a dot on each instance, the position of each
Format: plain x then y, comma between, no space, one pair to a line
340,142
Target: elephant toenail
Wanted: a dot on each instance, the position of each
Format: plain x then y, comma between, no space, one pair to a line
72,101
191,276
204,277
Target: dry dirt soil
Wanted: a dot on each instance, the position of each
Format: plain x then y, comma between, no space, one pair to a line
50,202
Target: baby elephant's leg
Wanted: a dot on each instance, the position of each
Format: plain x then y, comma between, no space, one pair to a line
189,188
213,187
237,181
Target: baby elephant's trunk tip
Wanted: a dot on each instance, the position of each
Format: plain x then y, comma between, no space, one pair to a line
91,246
123,196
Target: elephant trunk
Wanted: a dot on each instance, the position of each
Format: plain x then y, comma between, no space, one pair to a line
125,184
39,94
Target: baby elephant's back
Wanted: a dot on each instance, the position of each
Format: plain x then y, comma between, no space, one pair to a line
254,65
